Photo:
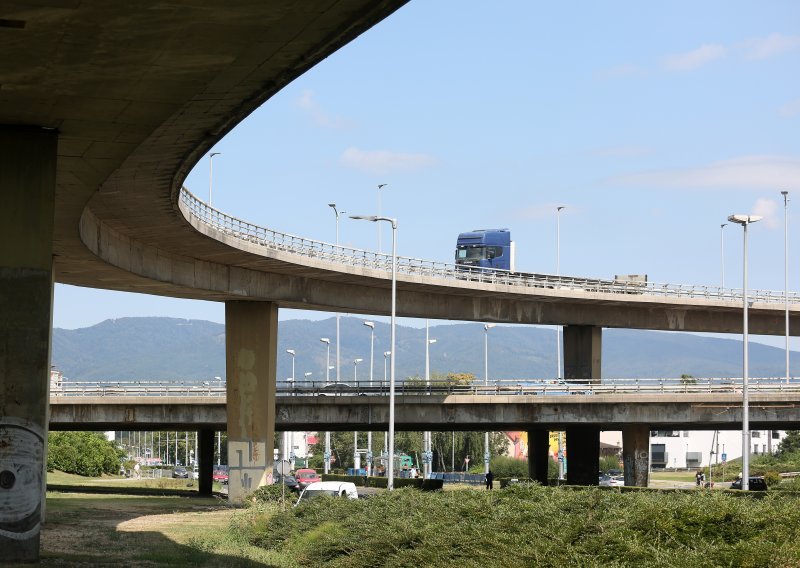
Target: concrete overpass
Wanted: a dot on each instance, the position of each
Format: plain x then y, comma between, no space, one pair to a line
104,108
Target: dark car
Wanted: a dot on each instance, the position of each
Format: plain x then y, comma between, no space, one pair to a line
180,472
755,484
291,483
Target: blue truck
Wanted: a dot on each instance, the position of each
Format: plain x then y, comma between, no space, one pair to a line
492,250
486,248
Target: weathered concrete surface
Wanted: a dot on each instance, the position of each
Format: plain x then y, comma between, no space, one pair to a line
777,411
538,454
636,454
251,346
27,185
582,353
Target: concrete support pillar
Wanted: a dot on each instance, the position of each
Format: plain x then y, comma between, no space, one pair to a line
27,187
582,353
583,455
582,358
251,344
538,454
636,454
205,459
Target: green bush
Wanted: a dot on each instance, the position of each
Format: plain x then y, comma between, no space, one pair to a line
82,453
772,478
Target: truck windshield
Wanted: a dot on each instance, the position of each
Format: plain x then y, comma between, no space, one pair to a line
471,253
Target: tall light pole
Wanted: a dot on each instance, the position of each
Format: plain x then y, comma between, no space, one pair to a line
356,455
375,218
380,186
338,342
288,437
386,355
371,326
486,328
744,221
722,251
327,455
785,277
211,173
558,338
427,452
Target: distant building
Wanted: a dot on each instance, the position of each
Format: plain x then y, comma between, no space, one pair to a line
685,449
56,381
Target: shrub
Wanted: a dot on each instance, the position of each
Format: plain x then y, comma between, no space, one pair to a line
772,478
82,453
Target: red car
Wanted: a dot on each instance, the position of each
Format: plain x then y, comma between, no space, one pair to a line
221,475
306,476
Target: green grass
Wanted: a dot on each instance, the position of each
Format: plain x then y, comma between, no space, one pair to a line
56,479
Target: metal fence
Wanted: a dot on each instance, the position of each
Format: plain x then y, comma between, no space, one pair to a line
194,208
542,387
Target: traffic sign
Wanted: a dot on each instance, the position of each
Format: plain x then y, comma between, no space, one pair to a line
724,458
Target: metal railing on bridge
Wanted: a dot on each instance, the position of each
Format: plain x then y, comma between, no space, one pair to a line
510,387
193,207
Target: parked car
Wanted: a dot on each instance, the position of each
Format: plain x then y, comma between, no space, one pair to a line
329,489
291,483
220,474
754,483
180,472
305,476
612,481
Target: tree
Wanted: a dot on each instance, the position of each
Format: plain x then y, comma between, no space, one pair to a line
83,453
791,443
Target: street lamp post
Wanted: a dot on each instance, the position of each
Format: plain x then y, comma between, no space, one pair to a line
356,455
558,338
486,328
211,173
744,221
785,277
371,326
338,342
427,451
327,455
374,218
288,437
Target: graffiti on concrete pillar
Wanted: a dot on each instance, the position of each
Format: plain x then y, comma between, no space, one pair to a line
250,467
21,471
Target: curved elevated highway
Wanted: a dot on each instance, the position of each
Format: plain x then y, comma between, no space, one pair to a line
104,108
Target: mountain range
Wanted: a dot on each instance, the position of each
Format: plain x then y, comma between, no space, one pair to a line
154,348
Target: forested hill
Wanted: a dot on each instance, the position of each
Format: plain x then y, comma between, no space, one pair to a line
167,348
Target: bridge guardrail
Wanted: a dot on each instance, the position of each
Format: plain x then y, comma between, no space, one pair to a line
544,387
192,207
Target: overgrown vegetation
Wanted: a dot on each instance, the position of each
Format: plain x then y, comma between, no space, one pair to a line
83,453
530,525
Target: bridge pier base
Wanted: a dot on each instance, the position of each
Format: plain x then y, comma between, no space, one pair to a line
205,469
636,454
251,345
27,184
583,455
538,454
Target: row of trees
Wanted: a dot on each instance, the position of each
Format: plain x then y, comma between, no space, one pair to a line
83,453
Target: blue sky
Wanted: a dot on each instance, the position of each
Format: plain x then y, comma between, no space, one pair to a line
650,122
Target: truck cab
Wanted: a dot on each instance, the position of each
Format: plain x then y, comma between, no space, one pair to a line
485,248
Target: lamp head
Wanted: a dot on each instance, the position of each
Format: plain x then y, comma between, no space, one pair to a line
308,374
560,207
370,324
488,326
290,352
214,154
744,219
357,361
387,353
380,185
431,341
325,340
372,218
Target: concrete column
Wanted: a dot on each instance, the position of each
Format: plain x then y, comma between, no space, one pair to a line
583,455
538,454
251,344
27,190
205,459
636,454
582,358
582,353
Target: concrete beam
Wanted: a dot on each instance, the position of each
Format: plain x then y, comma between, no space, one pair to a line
251,345
27,184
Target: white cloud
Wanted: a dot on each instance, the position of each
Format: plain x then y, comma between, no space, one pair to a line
695,58
772,173
792,108
767,208
383,161
318,115
773,44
